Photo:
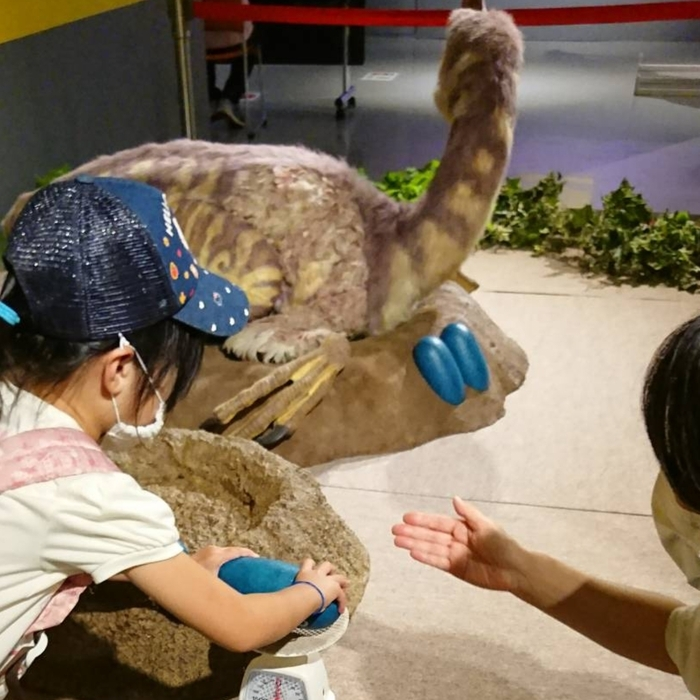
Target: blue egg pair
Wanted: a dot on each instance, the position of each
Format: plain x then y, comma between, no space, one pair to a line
451,363
260,575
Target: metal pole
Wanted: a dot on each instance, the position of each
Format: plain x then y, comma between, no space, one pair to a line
246,86
346,57
347,98
180,19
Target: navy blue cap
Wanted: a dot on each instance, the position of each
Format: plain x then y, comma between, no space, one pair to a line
95,257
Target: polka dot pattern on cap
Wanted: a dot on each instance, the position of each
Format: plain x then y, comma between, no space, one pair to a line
176,254
207,301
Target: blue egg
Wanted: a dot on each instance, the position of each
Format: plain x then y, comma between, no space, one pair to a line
439,368
323,619
467,353
260,575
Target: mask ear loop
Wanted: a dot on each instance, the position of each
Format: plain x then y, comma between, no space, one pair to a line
124,343
7,313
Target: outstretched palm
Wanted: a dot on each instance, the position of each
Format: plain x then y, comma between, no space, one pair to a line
470,547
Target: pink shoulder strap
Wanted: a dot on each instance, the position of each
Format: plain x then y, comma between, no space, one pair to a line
49,453
42,455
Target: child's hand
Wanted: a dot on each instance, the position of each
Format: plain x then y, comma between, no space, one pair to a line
471,547
324,576
212,558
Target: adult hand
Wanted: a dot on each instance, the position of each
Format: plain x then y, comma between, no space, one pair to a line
470,547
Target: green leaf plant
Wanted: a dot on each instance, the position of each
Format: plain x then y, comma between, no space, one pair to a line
625,240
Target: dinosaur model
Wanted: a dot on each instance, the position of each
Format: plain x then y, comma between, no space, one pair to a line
322,254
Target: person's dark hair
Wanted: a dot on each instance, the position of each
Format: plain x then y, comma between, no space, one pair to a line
28,358
671,404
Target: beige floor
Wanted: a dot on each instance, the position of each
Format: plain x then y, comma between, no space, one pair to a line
567,470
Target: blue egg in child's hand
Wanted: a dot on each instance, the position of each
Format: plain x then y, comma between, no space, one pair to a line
324,619
260,575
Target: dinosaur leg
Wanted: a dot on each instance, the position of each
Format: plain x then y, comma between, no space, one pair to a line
311,357
466,283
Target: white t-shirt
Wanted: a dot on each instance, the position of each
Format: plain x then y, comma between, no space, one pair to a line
683,644
98,523
679,531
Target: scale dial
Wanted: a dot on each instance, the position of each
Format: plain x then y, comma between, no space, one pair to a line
270,685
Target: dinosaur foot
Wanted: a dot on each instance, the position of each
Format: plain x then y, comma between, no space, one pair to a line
278,338
270,410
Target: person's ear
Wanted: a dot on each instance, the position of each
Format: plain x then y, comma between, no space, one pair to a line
118,370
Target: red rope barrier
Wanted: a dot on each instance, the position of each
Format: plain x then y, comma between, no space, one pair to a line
354,17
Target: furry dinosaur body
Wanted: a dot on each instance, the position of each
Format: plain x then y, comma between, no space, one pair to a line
317,248
284,223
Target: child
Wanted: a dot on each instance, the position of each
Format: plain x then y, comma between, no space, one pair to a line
649,628
103,319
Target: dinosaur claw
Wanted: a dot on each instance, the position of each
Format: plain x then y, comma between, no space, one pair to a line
273,436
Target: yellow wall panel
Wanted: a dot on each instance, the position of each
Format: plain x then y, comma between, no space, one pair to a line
20,18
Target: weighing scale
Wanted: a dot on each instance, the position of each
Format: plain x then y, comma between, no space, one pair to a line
292,669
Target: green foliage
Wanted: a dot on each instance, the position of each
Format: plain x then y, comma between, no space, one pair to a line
409,184
629,244
48,178
624,240
528,219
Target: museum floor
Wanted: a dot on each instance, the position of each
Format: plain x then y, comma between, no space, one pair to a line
567,470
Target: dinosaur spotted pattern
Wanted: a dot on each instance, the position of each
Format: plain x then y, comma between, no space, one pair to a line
467,206
483,162
504,127
442,254
450,76
403,285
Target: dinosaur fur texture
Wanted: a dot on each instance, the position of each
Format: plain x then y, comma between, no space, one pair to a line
316,246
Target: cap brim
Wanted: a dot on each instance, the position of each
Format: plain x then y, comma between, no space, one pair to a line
217,307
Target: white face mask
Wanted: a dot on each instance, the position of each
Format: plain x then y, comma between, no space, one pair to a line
679,530
123,436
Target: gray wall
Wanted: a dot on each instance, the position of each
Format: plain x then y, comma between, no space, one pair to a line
91,87
653,31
